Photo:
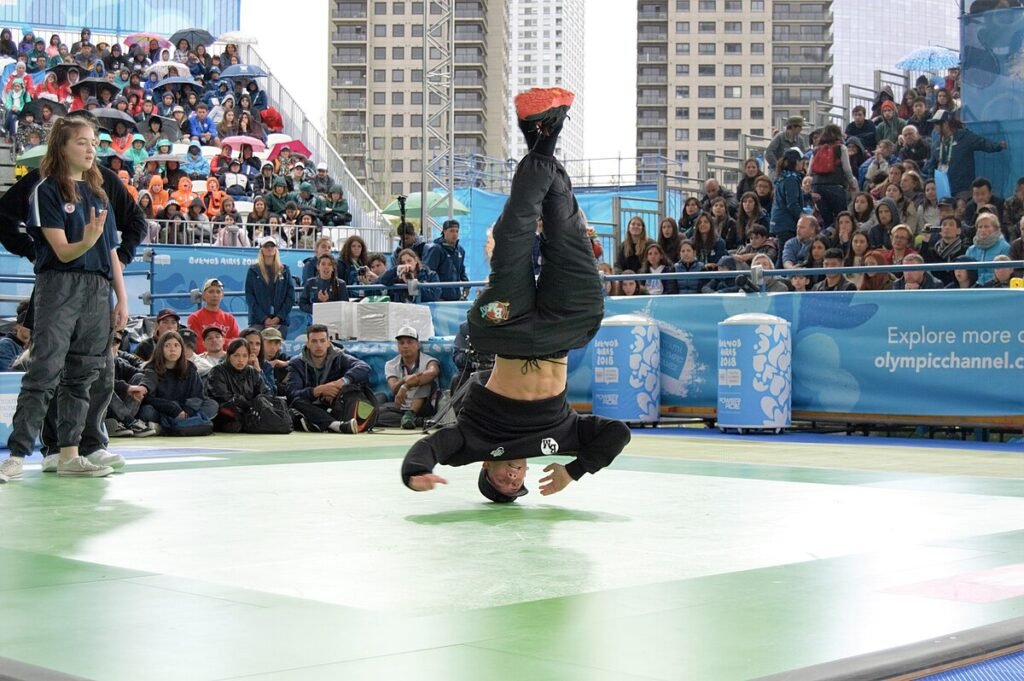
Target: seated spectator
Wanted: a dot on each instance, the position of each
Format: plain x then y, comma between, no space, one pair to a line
691,209
317,380
928,214
887,215
722,221
172,224
213,341
377,265
758,242
916,279
720,285
448,260
322,181
964,278
264,181
1001,275
714,190
656,262
1013,212
901,238
323,246
250,126
913,147
211,314
227,126
954,151
795,250
279,197
988,243
255,341
748,214
751,170
235,384
688,262
352,260
307,200
981,195
669,239
628,287
230,233
167,320
197,224
947,248
412,377
833,282
816,256
877,281
862,128
219,164
709,245
771,284
172,388
195,165
840,235
891,125
631,251
15,343
800,283
863,210
236,182
122,412
307,230
183,194
408,271
325,287
202,127
877,168
276,358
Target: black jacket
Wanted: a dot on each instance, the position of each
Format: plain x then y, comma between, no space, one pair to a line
14,207
168,394
233,388
493,428
303,376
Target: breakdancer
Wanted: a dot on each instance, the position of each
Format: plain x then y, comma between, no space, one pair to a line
530,326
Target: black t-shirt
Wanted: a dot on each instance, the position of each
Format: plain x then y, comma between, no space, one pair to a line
48,209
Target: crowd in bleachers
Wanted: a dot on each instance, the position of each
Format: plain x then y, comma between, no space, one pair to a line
898,187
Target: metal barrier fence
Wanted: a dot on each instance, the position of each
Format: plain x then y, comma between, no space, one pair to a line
246,234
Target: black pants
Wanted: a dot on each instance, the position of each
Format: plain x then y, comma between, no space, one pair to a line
319,417
833,201
94,436
517,316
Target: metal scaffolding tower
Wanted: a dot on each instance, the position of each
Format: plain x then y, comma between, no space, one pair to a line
438,109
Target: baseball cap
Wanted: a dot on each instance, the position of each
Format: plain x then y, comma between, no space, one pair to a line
267,240
211,329
166,313
942,116
946,201
408,332
177,108
212,282
488,489
270,333
321,166
795,122
299,165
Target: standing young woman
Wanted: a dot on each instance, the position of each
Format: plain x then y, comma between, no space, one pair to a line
76,267
269,293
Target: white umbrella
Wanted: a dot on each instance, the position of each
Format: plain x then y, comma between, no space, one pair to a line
237,38
162,67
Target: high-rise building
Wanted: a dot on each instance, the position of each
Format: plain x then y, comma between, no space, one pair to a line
872,35
375,111
709,71
547,51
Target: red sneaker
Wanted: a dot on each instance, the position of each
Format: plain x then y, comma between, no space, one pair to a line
540,103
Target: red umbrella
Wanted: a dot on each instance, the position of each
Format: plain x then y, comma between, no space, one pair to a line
236,142
295,146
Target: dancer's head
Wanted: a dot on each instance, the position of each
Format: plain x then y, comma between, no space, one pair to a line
502,481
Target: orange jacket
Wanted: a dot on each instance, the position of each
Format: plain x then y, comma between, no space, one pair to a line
214,198
158,193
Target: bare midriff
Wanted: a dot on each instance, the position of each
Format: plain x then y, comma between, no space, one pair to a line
521,379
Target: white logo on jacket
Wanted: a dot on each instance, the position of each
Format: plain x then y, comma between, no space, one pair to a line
548,446
497,452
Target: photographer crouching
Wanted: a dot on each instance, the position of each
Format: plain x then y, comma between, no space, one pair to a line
411,272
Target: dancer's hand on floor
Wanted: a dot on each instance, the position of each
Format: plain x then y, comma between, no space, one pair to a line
556,481
426,482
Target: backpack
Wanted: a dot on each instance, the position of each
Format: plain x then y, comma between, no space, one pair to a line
190,426
824,161
267,415
356,401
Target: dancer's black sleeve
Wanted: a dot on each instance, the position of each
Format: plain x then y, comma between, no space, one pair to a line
430,451
13,212
131,221
601,440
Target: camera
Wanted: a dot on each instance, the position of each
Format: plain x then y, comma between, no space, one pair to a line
362,271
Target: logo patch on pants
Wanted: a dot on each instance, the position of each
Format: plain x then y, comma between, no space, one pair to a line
495,312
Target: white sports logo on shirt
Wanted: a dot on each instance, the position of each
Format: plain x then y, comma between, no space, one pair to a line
497,452
548,446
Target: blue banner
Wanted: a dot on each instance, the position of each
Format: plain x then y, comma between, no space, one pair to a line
122,17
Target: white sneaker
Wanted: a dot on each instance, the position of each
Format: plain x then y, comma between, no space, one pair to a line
101,458
50,463
10,468
80,467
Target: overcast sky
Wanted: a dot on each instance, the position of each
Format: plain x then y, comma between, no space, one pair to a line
295,44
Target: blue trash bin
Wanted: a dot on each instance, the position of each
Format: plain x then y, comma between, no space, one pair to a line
755,373
627,369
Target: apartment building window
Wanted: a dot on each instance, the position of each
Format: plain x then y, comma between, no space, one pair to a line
705,69
757,69
705,134
415,166
397,98
757,132
756,48
398,120
380,8
398,8
682,27
705,48
377,165
734,48
397,143
416,75
380,53
682,135
380,76
731,134
682,5
706,27
757,91
733,70
682,90
707,5
732,113
415,143
378,143
734,27
397,76
682,48
398,53
398,31
757,113
417,30
733,91
706,113
379,120
682,113
756,5
416,53
682,156
397,188
733,5
416,120
417,8
706,92
757,27
416,98
380,98
380,30
397,165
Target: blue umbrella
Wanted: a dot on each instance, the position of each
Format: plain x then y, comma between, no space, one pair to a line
932,58
243,71
175,83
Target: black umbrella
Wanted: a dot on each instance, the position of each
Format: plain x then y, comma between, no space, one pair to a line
168,127
107,117
194,36
35,107
175,83
61,71
93,86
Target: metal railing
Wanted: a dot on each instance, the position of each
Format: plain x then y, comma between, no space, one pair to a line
823,113
182,232
854,95
754,146
673,190
726,169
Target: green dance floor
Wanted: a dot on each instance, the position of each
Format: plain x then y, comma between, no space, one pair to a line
303,557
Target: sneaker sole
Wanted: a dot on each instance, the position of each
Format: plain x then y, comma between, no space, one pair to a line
538,103
101,473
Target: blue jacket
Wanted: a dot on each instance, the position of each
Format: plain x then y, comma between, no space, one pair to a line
1000,247
269,300
199,128
425,295
788,206
10,349
690,285
303,376
959,156
312,288
450,264
195,166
